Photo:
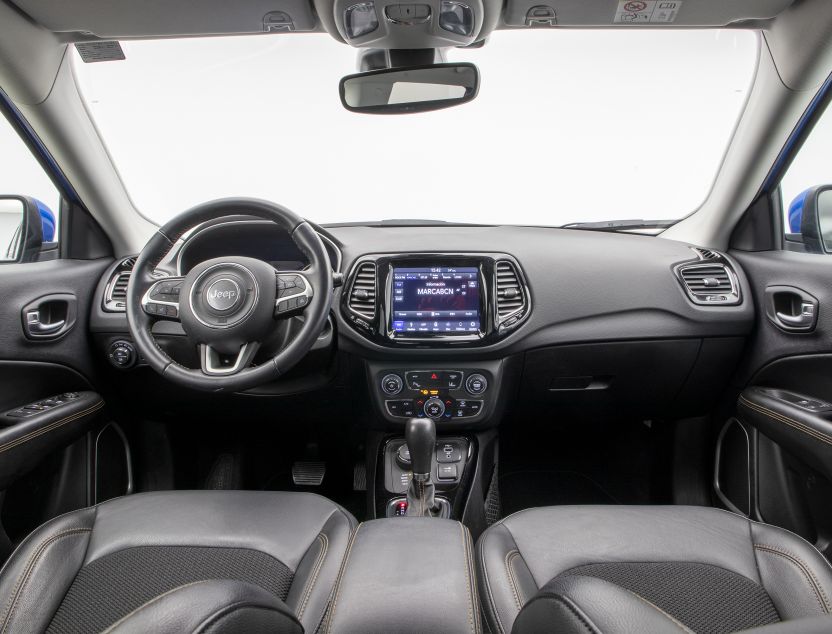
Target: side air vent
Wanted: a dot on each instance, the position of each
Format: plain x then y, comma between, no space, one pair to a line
511,294
115,295
362,300
119,290
712,283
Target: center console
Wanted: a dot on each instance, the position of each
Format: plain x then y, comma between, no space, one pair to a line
388,580
430,318
453,460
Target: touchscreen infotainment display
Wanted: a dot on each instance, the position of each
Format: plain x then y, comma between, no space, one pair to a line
437,299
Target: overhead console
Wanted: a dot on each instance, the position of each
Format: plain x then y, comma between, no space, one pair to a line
400,24
436,299
623,13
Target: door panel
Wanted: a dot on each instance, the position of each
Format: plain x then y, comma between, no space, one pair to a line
45,351
785,406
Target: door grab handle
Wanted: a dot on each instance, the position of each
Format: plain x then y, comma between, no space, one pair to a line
36,327
791,309
802,319
49,317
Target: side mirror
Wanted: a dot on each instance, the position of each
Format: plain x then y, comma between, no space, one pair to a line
816,220
21,229
411,89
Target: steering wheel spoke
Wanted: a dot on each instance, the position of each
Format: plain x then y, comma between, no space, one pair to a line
214,363
162,298
294,293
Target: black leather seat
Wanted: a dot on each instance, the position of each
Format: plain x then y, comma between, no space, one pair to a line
206,561
649,569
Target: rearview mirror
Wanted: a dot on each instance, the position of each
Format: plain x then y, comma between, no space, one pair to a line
412,89
21,229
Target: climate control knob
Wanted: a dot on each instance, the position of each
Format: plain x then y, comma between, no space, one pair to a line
392,384
434,408
476,384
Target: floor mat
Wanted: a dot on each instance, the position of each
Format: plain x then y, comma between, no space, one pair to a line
546,463
337,485
527,489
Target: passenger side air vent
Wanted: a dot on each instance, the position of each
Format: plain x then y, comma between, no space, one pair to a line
115,295
511,294
362,299
712,283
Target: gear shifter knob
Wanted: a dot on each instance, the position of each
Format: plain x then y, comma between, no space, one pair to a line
420,436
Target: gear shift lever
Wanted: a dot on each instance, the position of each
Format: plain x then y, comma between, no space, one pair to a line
420,436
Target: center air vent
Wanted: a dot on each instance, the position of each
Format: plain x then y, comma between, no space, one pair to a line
115,295
362,300
511,294
712,283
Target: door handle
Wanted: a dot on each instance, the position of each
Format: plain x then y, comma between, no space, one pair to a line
49,317
791,309
36,326
806,316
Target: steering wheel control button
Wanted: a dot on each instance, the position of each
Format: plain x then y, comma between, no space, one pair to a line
434,408
476,384
162,299
166,291
392,384
293,293
224,295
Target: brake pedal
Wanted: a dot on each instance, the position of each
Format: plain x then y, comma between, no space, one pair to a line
308,473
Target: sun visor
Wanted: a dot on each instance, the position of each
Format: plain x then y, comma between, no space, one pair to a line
121,19
646,13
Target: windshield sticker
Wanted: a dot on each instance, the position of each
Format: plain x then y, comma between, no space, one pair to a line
647,11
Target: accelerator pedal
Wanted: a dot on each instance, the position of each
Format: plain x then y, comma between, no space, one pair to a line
359,477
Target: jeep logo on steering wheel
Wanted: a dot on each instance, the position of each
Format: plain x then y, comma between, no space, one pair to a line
223,294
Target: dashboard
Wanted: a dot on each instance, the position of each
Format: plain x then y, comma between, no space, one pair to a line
570,318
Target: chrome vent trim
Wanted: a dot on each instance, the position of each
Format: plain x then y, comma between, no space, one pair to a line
714,283
512,295
363,291
115,294
706,254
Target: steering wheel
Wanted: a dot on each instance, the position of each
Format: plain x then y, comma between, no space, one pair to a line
228,306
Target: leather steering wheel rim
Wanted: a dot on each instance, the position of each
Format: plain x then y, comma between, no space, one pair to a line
318,275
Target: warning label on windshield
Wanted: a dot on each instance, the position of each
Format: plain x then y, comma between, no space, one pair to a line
647,11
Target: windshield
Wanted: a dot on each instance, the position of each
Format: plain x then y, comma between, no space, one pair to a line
569,126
